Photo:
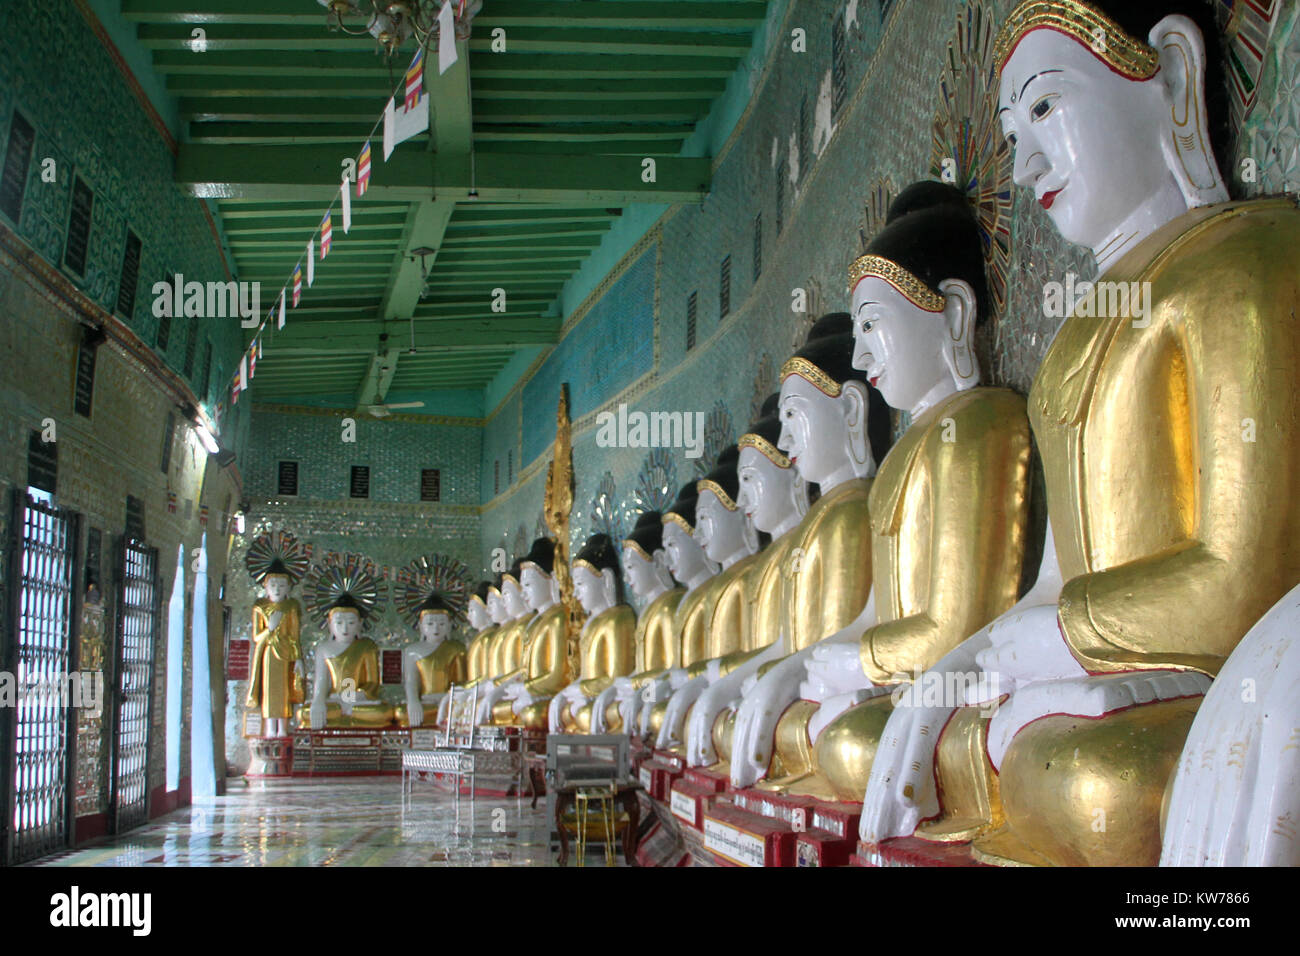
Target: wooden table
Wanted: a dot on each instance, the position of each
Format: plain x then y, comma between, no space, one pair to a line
625,795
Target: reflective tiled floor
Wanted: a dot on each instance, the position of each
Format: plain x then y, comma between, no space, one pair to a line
331,822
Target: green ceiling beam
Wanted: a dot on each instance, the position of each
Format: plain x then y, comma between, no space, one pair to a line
501,215
379,375
572,38
631,13
588,111
582,133
361,337
243,209
249,109
345,137
528,88
373,89
273,223
294,172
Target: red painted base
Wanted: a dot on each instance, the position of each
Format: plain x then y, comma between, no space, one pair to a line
910,851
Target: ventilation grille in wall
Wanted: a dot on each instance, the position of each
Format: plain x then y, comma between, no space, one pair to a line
129,278
359,483
205,370
169,435
781,171
758,246
839,73
191,346
83,207
18,159
286,480
42,463
805,153
134,518
691,301
496,477
430,484
83,389
164,326
724,288
510,468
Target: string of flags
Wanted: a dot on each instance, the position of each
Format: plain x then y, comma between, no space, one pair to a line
398,126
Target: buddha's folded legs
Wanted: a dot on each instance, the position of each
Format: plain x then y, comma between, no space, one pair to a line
1081,791
371,714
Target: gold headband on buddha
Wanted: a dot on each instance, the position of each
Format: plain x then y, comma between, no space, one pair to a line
765,448
493,587
528,564
635,546
435,610
706,484
507,576
812,374
475,597
584,563
1105,38
908,285
675,518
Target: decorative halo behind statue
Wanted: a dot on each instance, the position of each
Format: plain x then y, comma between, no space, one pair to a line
427,575
605,515
279,546
719,432
348,574
966,134
656,482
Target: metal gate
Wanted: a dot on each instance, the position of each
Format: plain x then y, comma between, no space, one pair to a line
39,661
137,631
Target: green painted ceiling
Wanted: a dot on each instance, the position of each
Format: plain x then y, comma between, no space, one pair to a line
550,135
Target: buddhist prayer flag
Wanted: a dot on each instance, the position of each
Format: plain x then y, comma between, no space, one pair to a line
363,170
414,79
252,362
259,344
347,207
311,261
297,284
401,125
446,37
326,235
280,322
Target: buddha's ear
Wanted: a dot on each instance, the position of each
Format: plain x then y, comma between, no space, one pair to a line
660,561
959,314
854,398
1185,141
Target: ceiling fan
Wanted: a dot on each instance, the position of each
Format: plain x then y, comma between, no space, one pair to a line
383,410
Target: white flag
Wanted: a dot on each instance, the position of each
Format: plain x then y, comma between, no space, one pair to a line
243,370
347,205
401,125
389,117
446,39
311,261
280,322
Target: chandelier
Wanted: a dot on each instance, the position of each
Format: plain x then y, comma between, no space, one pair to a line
393,22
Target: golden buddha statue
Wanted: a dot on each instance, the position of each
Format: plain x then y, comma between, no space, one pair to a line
526,699
833,426
431,665
348,675
507,655
689,564
774,498
645,567
607,645
728,538
485,629
1165,540
949,506
274,679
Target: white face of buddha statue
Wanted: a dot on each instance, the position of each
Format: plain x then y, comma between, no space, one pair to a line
277,587
1099,149
824,437
478,615
496,607
766,494
435,626
719,531
684,554
638,572
512,597
591,589
345,624
910,353
536,586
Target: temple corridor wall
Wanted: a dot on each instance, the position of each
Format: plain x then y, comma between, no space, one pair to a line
825,175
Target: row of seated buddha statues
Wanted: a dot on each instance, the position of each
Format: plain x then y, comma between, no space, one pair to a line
1115,687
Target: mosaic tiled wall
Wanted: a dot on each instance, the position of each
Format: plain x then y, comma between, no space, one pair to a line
115,452
56,72
823,146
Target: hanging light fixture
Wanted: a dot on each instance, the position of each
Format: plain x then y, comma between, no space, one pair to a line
393,22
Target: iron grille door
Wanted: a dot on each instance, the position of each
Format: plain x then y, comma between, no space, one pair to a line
43,605
137,628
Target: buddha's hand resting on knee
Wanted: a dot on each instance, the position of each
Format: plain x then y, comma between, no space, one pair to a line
761,708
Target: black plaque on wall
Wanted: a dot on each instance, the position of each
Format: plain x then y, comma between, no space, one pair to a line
83,393
287,478
130,277
430,484
359,486
168,438
18,159
94,550
42,463
83,204
134,518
